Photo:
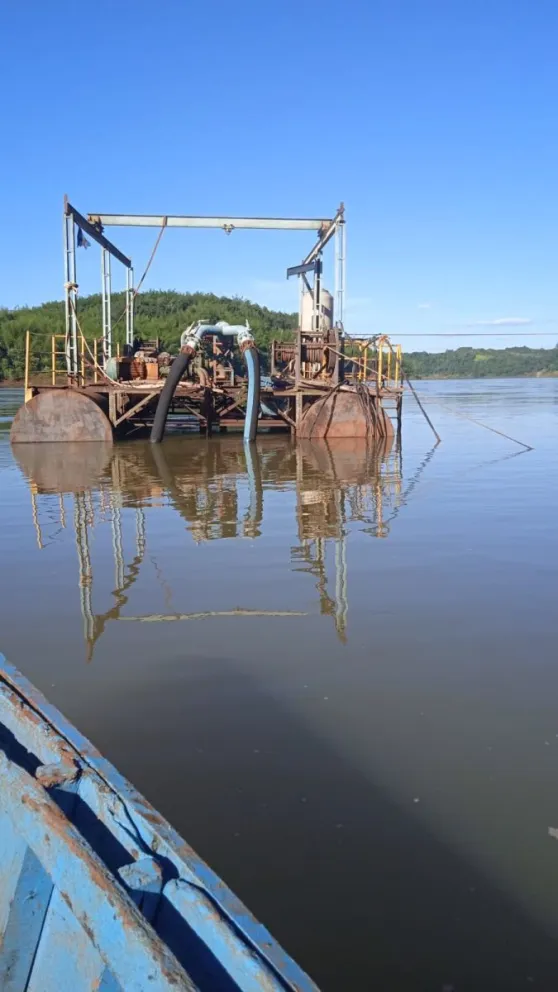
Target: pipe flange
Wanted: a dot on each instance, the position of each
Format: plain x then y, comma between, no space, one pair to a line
245,338
189,344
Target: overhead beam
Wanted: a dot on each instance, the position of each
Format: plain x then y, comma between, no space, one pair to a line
93,232
326,234
300,270
227,224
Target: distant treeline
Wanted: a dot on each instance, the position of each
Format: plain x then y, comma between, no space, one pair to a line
165,314
159,314
482,363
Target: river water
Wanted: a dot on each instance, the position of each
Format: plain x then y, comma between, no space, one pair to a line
334,670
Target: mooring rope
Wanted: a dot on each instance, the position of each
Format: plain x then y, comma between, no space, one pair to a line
423,411
86,343
145,271
151,257
479,423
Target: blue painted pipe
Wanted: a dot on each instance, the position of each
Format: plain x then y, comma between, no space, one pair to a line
189,342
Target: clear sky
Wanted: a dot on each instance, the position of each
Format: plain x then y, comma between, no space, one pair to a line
434,120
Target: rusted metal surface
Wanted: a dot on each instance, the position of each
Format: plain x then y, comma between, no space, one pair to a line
342,415
60,415
106,895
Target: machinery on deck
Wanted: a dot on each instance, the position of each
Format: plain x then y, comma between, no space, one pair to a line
321,383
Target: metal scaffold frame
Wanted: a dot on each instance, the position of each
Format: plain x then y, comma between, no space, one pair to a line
327,228
74,219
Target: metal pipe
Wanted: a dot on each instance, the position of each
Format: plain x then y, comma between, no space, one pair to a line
70,293
106,305
227,224
94,230
193,335
27,363
130,308
189,343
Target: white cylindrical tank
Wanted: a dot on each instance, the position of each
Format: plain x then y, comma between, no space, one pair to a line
327,309
307,310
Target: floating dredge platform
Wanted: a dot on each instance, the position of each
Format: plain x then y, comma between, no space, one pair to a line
323,383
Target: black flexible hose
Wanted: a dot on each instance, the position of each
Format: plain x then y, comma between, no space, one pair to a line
252,360
176,372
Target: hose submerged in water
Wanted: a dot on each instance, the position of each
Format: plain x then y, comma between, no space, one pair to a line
252,360
190,342
176,371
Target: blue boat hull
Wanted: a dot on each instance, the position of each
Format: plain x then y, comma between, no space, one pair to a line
97,891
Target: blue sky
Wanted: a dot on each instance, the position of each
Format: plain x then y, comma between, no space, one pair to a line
434,120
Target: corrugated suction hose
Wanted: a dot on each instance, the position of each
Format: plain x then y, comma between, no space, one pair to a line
176,371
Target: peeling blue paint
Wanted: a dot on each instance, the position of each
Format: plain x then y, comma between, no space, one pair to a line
97,891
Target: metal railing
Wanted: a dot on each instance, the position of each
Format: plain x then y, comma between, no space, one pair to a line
46,361
374,360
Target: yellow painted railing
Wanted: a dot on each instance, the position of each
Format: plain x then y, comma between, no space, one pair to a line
374,360
45,361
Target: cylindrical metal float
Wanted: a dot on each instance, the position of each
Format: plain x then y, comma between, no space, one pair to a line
345,415
61,415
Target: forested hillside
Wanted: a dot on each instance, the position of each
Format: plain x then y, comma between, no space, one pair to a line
162,314
165,314
482,363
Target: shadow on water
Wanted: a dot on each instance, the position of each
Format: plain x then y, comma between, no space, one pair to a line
360,891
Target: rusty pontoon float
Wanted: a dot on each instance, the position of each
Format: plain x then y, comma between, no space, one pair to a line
323,383
97,891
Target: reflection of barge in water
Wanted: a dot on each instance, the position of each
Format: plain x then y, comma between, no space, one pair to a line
323,383
219,490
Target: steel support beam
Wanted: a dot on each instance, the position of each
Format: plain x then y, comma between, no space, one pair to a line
327,232
226,224
300,270
93,231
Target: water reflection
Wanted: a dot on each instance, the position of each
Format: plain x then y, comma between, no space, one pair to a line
219,488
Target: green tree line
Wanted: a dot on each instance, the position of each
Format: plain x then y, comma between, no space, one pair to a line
482,363
165,314
158,314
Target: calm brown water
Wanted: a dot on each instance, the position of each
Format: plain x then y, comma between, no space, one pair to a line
334,671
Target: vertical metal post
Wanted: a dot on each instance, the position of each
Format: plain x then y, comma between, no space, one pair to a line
317,302
27,395
130,307
53,359
70,292
106,305
340,269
